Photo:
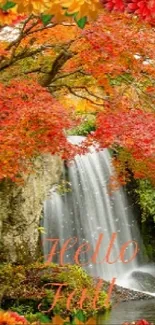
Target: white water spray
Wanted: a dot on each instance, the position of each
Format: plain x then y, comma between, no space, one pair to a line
87,211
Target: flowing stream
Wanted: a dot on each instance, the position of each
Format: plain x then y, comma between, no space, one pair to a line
92,214
129,312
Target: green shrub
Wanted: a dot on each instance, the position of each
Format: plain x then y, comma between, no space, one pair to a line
23,288
146,199
87,126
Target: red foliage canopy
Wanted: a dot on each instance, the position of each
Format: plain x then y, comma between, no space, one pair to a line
128,120
133,130
143,8
106,50
31,122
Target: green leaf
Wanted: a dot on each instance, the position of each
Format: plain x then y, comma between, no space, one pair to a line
71,15
46,19
42,230
43,318
80,316
8,5
73,322
81,22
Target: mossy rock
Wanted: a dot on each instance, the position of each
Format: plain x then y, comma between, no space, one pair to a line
27,287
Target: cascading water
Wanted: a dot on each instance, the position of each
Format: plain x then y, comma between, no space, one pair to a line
87,211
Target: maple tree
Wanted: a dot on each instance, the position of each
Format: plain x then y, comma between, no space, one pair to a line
103,66
55,11
32,121
51,63
124,68
80,11
134,131
30,125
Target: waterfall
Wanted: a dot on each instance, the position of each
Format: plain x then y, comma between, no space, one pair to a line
88,211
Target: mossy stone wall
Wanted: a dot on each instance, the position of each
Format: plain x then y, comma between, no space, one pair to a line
20,210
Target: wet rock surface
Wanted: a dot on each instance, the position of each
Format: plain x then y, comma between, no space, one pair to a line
121,294
144,280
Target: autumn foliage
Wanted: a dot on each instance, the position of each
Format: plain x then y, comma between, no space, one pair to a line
134,131
117,46
32,122
12,318
107,65
117,57
80,11
145,9
57,11
139,322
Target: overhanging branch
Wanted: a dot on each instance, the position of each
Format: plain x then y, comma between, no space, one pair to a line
73,92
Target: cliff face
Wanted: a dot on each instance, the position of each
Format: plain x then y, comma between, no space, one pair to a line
21,208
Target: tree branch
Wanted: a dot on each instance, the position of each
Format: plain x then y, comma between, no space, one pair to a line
61,59
65,75
24,54
71,90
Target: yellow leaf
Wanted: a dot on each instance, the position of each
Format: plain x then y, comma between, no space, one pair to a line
57,320
91,321
78,322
